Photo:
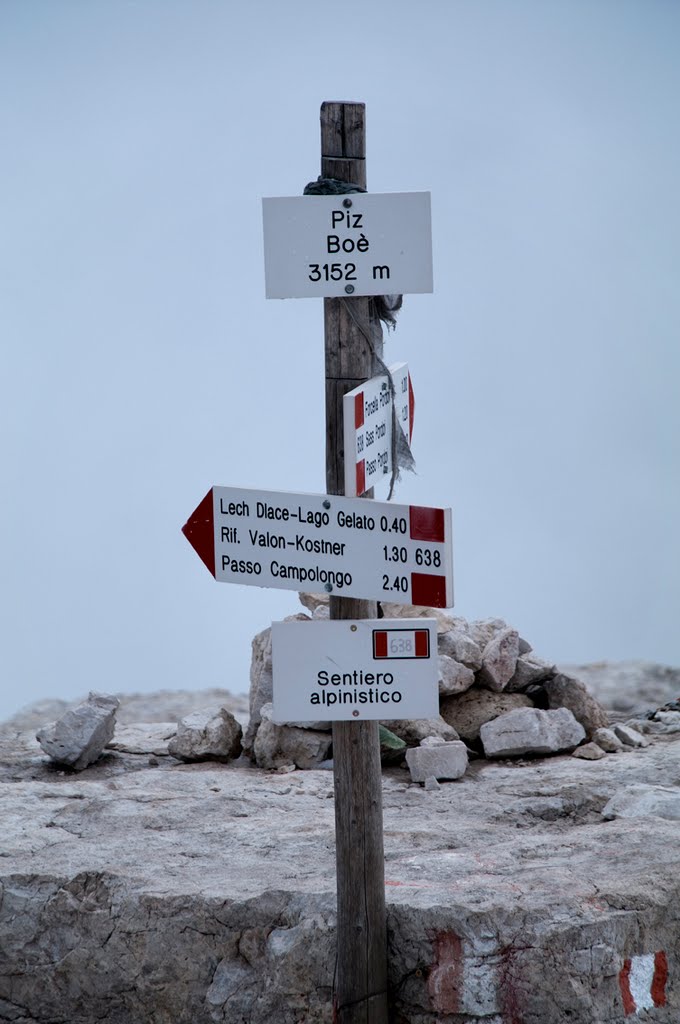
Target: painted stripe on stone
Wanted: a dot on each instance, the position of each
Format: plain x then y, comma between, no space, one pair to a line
660,978
642,981
461,982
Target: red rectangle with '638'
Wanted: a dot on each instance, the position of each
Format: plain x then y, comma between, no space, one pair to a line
399,644
427,524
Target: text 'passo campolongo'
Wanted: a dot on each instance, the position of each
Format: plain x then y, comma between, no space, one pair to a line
357,687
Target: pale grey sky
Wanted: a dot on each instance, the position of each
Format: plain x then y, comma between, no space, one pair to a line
141,362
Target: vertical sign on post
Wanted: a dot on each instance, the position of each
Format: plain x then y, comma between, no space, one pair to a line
368,420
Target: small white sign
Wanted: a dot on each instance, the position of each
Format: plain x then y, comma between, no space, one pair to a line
367,428
350,547
353,670
366,243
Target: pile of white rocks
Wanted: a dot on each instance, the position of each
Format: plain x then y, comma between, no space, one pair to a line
497,699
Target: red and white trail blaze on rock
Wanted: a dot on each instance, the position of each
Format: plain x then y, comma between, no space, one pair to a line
460,983
642,980
445,980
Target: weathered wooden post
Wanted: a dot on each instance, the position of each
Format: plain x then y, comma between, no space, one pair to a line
361,985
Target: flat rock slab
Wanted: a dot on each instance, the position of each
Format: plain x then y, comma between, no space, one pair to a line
143,738
193,894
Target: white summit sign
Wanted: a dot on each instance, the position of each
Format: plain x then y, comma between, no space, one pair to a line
366,243
352,670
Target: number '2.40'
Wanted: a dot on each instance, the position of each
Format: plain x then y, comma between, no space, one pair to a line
332,272
399,583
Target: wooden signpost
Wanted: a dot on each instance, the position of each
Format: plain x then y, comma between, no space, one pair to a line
361,977
350,248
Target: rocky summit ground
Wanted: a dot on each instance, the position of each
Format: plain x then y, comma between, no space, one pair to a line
146,890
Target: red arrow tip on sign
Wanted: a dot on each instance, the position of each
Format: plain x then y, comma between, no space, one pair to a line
199,530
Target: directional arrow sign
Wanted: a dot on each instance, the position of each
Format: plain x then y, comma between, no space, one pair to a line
349,547
360,244
367,427
363,669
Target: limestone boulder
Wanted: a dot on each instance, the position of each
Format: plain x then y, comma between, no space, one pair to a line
529,671
79,737
608,740
454,677
319,725
261,684
445,623
278,745
262,679
643,801
414,731
143,738
314,602
468,712
499,660
567,692
671,718
589,752
652,727
531,731
437,760
483,631
459,645
212,734
630,737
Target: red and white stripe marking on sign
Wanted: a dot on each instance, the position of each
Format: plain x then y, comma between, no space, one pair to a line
642,980
401,643
428,525
358,423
